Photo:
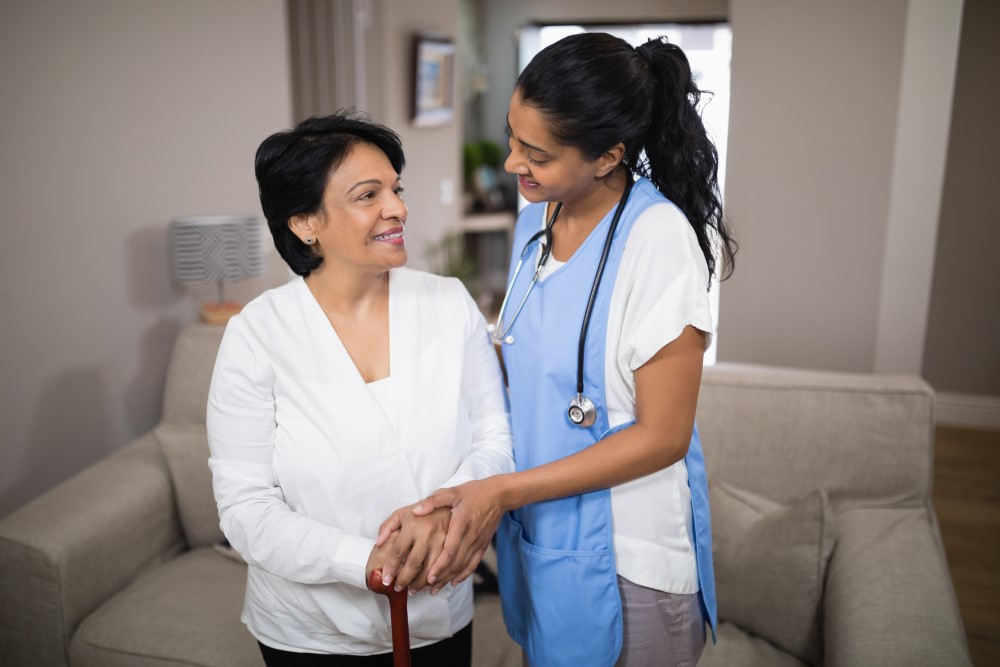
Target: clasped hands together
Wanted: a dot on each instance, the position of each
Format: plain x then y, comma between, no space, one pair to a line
439,540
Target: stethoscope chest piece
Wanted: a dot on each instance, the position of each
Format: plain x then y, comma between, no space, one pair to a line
582,411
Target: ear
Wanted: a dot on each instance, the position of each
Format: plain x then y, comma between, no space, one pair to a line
303,226
610,159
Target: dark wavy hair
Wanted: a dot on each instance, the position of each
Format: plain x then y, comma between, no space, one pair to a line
597,91
293,167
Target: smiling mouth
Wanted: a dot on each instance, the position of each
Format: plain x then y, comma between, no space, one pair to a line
390,237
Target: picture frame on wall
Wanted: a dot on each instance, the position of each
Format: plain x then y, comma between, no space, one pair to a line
433,81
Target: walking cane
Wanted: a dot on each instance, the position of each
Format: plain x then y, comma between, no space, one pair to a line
397,616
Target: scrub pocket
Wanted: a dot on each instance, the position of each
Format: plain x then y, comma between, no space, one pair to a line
561,606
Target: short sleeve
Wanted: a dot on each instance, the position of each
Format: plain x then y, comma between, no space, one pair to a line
662,286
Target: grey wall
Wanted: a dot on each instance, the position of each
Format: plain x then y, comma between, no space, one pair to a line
117,116
963,332
838,131
433,177
815,88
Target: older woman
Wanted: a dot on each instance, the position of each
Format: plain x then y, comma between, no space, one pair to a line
357,387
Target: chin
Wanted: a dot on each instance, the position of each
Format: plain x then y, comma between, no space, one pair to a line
533,196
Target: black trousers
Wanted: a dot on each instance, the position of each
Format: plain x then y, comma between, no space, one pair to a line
452,652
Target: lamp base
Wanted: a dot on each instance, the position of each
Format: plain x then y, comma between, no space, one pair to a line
217,313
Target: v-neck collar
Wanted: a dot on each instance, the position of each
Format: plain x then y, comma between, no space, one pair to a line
602,225
334,354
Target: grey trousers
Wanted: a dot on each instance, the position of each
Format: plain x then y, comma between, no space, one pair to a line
659,629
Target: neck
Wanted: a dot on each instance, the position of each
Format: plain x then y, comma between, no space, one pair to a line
584,212
578,218
344,291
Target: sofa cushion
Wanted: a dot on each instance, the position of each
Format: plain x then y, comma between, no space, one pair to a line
186,452
738,647
889,599
866,439
770,565
186,612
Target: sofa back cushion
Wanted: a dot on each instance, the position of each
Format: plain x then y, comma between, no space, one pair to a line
784,433
182,433
770,565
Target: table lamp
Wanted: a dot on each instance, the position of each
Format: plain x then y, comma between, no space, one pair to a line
219,249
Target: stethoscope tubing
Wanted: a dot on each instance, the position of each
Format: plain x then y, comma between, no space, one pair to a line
597,283
582,411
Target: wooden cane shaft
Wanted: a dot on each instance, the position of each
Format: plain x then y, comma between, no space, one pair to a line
398,618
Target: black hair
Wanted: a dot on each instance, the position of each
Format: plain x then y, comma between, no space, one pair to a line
293,167
597,91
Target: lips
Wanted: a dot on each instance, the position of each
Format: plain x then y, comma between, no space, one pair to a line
527,182
391,236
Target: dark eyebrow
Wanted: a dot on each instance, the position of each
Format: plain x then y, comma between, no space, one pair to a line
525,143
370,181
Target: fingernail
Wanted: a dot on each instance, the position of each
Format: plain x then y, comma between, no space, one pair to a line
411,592
418,508
386,580
397,588
431,579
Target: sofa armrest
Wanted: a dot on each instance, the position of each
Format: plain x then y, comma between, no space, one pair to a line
72,548
889,599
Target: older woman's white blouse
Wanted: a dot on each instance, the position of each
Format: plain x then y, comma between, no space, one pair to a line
307,460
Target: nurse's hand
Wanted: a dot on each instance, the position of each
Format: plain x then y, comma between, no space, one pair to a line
476,508
411,547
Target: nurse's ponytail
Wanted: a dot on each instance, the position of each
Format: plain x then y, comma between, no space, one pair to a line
681,160
596,91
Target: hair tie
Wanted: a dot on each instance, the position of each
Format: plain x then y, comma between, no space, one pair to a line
646,55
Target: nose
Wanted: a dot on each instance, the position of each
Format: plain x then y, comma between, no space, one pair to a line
513,164
395,208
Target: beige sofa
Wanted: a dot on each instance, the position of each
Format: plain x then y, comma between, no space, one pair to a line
827,547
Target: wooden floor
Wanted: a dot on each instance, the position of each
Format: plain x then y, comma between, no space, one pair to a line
967,501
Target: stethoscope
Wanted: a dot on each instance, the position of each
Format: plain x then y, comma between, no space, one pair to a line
582,411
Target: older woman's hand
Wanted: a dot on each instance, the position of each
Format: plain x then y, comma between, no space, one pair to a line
476,508
411,547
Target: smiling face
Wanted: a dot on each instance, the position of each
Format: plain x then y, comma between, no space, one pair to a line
547,170
360,222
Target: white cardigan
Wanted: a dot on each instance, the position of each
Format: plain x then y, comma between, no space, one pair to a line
307,463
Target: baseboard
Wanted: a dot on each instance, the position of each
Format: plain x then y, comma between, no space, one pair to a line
967,410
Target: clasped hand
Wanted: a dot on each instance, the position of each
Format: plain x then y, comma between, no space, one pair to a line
475,512
411,549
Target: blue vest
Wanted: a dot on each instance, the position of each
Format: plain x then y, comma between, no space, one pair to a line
558,584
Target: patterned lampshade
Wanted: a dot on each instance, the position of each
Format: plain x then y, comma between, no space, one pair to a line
217,248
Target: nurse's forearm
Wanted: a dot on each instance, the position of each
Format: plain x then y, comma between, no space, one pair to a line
666,390
622,457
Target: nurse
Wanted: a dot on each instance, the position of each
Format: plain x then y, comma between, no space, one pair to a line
320,422
604,540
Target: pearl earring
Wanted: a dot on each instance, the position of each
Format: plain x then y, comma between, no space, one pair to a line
309,240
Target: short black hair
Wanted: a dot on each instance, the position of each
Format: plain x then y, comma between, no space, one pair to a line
293,166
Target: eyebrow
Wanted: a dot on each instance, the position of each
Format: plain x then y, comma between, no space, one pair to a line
525,143
370,181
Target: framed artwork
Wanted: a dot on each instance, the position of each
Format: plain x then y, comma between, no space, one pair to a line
433,81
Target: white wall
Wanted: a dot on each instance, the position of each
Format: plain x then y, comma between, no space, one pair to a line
117,116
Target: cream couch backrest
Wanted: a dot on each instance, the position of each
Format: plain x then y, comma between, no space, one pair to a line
186,392
866,439
182,434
